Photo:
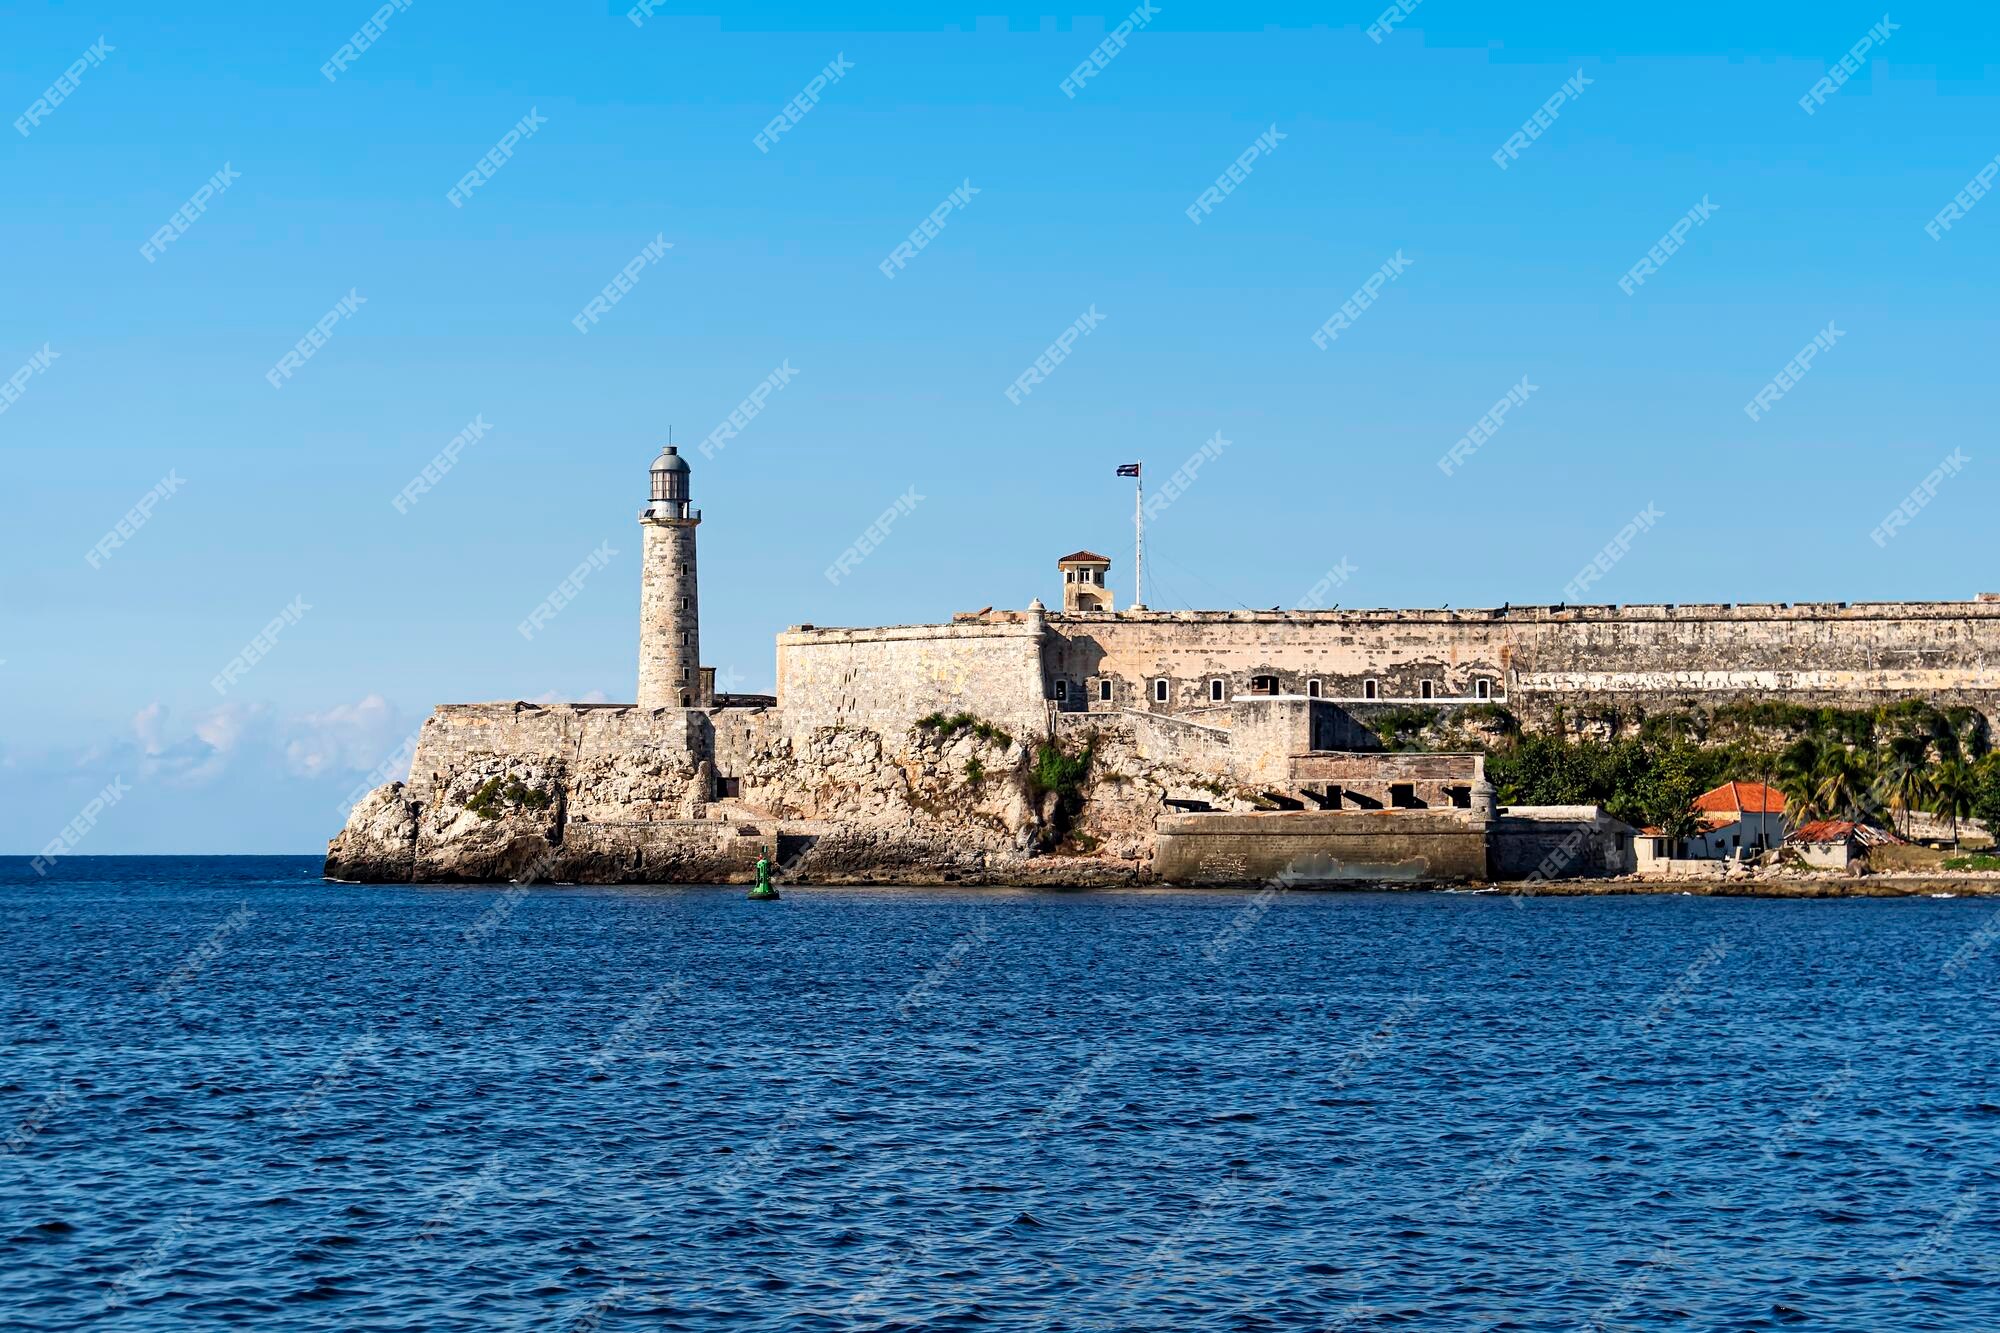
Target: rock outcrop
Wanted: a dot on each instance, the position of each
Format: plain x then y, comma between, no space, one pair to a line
605,795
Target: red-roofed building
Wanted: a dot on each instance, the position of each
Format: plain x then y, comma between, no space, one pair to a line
1083,582
1836,844
1732,800
1739,818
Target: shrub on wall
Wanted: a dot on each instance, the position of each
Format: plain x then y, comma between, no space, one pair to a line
496,793
947,726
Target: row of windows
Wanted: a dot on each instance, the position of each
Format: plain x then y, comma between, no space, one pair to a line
1218,689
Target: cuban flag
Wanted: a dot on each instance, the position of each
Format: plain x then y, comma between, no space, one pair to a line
1128,469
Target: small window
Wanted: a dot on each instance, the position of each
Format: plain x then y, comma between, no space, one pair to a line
1428,690
1069,576
1312,688
684,570
1484,689
684,701
684,603
684,638
1215,691
1062,691
1104,690
1159,691
1369,690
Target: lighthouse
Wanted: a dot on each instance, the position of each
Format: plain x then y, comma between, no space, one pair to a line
670,674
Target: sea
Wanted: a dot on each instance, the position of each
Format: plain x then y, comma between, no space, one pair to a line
233,1093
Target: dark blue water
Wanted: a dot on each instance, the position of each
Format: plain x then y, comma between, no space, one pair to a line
235,1094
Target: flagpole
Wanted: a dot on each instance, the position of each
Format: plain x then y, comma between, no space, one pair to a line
1139,540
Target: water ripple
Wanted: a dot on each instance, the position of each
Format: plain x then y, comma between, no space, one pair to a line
859,1109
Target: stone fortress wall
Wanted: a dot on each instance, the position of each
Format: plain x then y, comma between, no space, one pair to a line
1530,659
838,762
887,678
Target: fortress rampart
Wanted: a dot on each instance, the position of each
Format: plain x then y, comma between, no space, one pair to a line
886,679
1531,659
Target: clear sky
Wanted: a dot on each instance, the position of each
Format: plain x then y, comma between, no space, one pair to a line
283,497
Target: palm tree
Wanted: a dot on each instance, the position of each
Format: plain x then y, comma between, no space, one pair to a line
1843,782
1954,789
1903,779
1798,770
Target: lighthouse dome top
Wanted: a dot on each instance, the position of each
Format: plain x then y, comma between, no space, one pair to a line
668,495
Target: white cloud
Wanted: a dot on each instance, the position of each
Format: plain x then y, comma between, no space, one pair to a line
348,738
146,724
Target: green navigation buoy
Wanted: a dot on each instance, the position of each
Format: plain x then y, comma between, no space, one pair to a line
764,888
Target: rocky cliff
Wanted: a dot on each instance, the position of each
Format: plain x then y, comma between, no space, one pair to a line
620,795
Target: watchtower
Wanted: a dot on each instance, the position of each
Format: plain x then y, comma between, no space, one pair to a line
670,674
1083,582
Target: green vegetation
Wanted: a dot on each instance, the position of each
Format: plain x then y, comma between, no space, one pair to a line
1055,771
975,772
949,726
1876,764
1481,716
1973,863
1640,783
1403,728
1063,774
496,793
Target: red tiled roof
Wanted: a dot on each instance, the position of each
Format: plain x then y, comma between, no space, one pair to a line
1741,798
1839,830
1083,556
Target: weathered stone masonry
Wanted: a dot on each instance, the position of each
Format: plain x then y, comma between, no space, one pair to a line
1536,659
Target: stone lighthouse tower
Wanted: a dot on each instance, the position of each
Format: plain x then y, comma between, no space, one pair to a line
670,674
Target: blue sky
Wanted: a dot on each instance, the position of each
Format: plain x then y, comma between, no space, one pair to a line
283,495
